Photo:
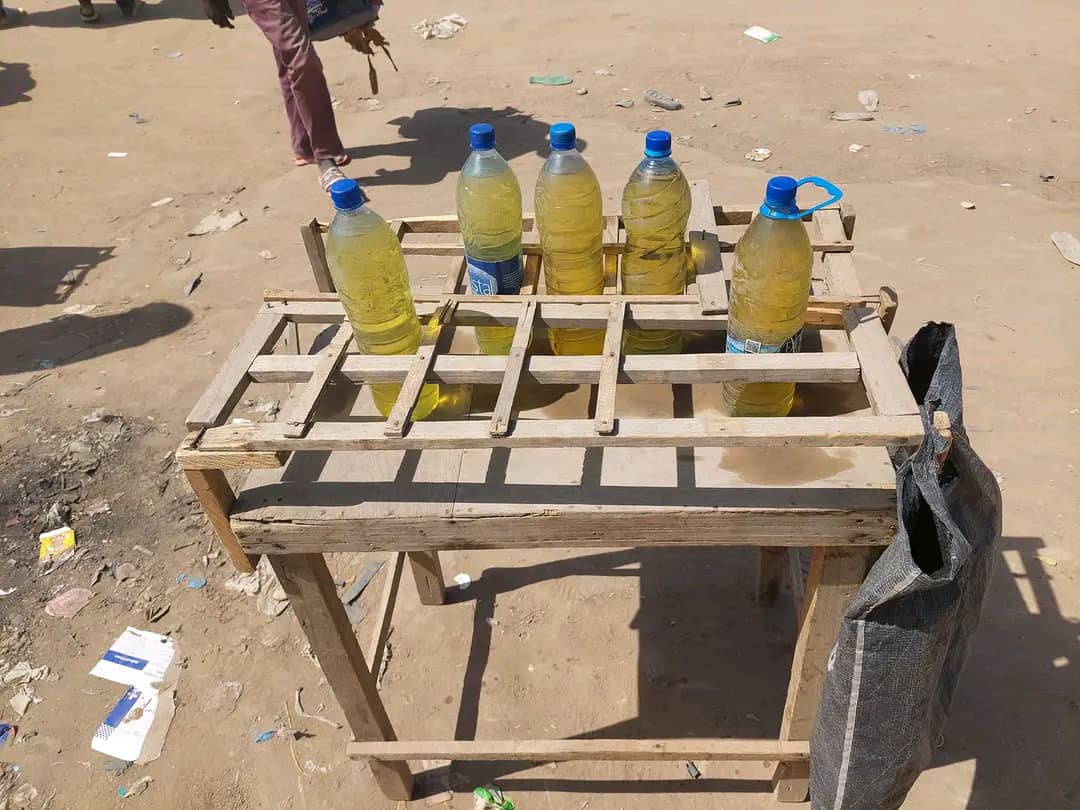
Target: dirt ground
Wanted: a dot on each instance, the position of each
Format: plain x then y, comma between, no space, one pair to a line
93,315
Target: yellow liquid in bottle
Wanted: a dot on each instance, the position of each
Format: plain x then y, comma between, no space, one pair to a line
369,272
655,208
770,288
570,217
489,214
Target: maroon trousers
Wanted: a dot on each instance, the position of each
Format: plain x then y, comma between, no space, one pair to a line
303,85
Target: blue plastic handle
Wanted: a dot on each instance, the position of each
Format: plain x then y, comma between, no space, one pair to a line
799,213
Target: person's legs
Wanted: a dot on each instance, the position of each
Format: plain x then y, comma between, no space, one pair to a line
301,144
284,23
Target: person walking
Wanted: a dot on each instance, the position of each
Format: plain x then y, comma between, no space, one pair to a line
312,125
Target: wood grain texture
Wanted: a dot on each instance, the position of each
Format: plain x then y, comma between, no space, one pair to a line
413,383
840,272
428,574
217,498
231,380
311,233
302,406
823,367
514,361
313,597
705,253
886,387
728,749
385,616
835,575
609,368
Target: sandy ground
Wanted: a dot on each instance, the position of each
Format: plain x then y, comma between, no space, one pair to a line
584,642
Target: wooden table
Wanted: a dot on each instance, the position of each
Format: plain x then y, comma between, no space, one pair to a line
532,451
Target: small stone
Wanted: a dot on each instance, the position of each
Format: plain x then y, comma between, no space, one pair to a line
373,104
704,94
856,147
266,255
582,91
967,204
625,103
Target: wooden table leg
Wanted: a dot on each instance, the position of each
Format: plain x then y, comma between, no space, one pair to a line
835,575
772,566
313,596
427,571
212,489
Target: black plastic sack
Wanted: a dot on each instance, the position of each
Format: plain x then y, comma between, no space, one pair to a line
893,672
332,18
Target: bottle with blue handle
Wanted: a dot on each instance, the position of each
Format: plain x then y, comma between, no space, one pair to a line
770,289
489,215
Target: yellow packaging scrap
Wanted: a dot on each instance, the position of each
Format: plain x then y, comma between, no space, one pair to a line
56,544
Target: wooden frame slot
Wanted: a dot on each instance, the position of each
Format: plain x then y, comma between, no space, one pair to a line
515,359
609,368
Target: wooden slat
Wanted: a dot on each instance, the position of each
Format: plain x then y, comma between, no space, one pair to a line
681,314
231,381
886,387
312,233
729,749
216,497
835,575
705,251
313,597
609,369
808,431
845,524
448,223
421,247
194,459
386,613
410,391
453,277
840,272
833,367
530,279
327,362
611,260
515,359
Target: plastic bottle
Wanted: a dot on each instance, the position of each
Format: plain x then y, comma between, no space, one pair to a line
655,208
369,272
770,288
570,217
489,213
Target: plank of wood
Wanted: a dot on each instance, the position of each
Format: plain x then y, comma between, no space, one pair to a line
312,233
808,431
772,565
886,387
386,612
420,247
453,369
530,279
215,495
609,368
401,413
784,525
448,223
729,749
471,311
840,272
611,260
886,307
231,380
453,278
313,597
705,254
835,575
515,359
847,217
302,407
428,576
196,459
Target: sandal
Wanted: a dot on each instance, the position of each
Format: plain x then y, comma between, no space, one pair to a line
92,17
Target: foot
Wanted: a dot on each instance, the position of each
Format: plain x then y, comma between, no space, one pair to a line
87,12
302,160
10,17
129,8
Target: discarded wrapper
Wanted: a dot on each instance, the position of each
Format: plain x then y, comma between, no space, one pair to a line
59,543
135,729
761,34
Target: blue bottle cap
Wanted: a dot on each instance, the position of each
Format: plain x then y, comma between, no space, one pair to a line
563,136
346,195
481,136
780,194
657,143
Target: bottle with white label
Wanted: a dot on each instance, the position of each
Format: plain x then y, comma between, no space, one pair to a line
489,214
770,289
